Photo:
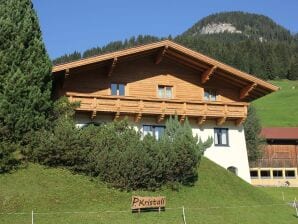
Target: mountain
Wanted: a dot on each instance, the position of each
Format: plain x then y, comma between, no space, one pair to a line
250,42
251,25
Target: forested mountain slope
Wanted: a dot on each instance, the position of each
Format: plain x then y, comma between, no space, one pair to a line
250,42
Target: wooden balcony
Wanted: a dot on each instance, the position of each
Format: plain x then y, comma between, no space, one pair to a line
124,105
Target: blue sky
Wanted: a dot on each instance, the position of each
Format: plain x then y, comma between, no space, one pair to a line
70,25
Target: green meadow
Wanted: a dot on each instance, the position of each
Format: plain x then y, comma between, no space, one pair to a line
59,196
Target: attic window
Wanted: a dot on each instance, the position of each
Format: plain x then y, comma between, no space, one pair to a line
209,95
165,91
117,89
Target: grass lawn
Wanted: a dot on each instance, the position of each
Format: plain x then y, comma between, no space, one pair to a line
279,109
218,197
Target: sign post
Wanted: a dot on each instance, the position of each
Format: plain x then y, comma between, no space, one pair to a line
138,203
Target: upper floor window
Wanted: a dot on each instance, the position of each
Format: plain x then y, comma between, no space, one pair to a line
117,89
155,130
165,91
209,95
221,137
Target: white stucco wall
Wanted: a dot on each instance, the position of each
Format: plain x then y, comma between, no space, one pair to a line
235,154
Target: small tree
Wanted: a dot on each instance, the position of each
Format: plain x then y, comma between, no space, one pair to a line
252,128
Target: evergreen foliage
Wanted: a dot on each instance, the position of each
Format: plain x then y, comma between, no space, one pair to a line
25,77
252,128
118,154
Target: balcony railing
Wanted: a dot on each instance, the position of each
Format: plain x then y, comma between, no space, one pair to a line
153,106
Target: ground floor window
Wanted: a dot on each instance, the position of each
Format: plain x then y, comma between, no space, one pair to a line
155,130
290,173
221,137
277,174
254,174
265,174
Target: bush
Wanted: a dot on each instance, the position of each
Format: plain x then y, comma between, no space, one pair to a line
117,153
10,156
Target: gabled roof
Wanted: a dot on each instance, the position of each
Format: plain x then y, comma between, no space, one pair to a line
247,83
285,133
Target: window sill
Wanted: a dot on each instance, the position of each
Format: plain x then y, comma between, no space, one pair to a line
222,145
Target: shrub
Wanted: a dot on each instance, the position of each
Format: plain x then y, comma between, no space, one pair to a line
118,154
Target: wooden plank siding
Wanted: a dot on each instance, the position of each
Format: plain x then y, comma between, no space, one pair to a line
91,86
278,155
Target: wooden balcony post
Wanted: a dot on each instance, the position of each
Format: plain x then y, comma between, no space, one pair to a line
139,115
201,120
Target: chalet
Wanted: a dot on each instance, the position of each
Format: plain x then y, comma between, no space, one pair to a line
149,83
279,162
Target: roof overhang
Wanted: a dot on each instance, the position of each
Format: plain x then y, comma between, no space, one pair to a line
250,87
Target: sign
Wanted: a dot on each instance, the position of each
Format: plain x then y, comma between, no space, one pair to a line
138,202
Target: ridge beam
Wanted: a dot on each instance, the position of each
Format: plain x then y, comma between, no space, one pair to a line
207,74
161,54
244,92
112,66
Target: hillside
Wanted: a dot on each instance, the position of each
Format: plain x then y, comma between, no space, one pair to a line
52,193
279,109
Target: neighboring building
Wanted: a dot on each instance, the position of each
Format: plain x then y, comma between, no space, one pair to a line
278,165
149,83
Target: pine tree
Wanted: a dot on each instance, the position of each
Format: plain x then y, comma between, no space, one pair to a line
252,128
25,72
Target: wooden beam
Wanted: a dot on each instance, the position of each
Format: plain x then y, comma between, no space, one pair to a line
112,66
182,118
244,92
207,74
93,115
240,121
201,120
117,115
138,117
221,120
66,75
160,118
161,54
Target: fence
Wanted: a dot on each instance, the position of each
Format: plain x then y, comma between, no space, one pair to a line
214,214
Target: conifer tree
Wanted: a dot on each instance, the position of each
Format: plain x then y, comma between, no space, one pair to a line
25,71
252,128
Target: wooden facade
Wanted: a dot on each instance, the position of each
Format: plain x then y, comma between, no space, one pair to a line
142,70
280,156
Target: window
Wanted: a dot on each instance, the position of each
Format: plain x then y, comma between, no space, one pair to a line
221,137
233,170
165,92
254,174
154,130
290,173
277,174
209,95
117,89
265,174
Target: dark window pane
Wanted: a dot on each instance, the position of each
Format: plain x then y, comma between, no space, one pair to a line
254,174
265,174
114,89
158,131
121,89
290,173
277,174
